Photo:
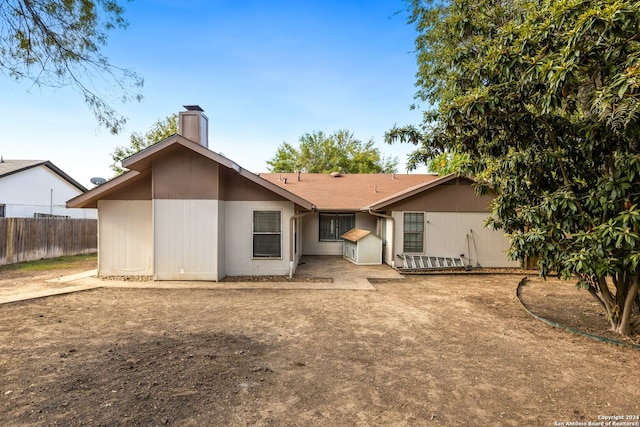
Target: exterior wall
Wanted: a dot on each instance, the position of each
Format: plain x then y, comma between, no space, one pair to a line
186,239
311,244
454,196
237,188
386,233
30,191
222,236
239,239
452,234
125,238
185,175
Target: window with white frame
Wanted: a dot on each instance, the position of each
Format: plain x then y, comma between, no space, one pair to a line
334,225
2,211
413,231
267,234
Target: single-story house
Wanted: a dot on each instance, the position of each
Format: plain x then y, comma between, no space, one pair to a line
38,188
185,212
414,214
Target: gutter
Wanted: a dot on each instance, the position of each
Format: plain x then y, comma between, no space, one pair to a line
292,237
393,237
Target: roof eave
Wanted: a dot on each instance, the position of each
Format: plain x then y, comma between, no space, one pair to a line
90,198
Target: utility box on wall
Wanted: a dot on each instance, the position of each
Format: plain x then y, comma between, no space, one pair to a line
362,247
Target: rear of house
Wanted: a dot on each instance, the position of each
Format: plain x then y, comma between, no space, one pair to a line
184,212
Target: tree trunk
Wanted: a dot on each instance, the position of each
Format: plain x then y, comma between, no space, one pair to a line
624,327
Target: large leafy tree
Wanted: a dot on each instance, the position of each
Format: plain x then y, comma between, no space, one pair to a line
57,43
544,99
161,129
338,152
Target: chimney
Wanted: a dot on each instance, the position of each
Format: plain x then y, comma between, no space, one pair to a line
194,125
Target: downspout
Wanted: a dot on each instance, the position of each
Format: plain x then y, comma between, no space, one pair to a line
292,237
393,230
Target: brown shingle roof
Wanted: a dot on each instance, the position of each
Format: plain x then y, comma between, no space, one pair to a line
348,192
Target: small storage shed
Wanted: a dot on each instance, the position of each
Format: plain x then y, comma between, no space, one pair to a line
362,247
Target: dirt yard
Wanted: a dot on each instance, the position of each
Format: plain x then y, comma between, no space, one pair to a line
429,350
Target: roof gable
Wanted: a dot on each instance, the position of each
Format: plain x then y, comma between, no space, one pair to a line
10,167
141,162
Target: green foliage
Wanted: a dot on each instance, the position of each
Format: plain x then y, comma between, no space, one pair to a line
159,131
543,98
447,163
57,43
338,152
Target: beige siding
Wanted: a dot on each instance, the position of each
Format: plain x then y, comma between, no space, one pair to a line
186,239
239,239
222,261
125,241
445,234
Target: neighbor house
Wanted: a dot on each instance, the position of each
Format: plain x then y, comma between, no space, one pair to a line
185,212
38,188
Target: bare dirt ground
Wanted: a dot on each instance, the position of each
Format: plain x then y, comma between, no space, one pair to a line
454,350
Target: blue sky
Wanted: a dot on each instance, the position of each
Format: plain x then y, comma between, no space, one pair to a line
265,72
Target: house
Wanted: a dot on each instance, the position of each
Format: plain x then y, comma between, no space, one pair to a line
38,188
413,214
185,212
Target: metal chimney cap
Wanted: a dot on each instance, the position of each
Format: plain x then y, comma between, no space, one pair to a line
193,108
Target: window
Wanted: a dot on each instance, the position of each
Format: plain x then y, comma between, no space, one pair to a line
413,232
332,226
267,234
2,212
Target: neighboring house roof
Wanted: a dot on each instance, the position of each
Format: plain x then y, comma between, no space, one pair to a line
140,164
10,167
347,192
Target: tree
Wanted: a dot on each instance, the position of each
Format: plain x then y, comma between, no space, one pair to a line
338,152
159,131
544,99
57,43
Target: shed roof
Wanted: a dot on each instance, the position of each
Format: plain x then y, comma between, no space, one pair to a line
347,192
355,234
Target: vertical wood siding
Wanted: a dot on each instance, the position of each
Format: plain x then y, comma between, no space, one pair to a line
126,238
186,239
31,239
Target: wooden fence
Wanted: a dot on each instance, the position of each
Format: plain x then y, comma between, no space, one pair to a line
30,239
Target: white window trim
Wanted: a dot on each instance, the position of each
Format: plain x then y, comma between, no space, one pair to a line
424,228
253,233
